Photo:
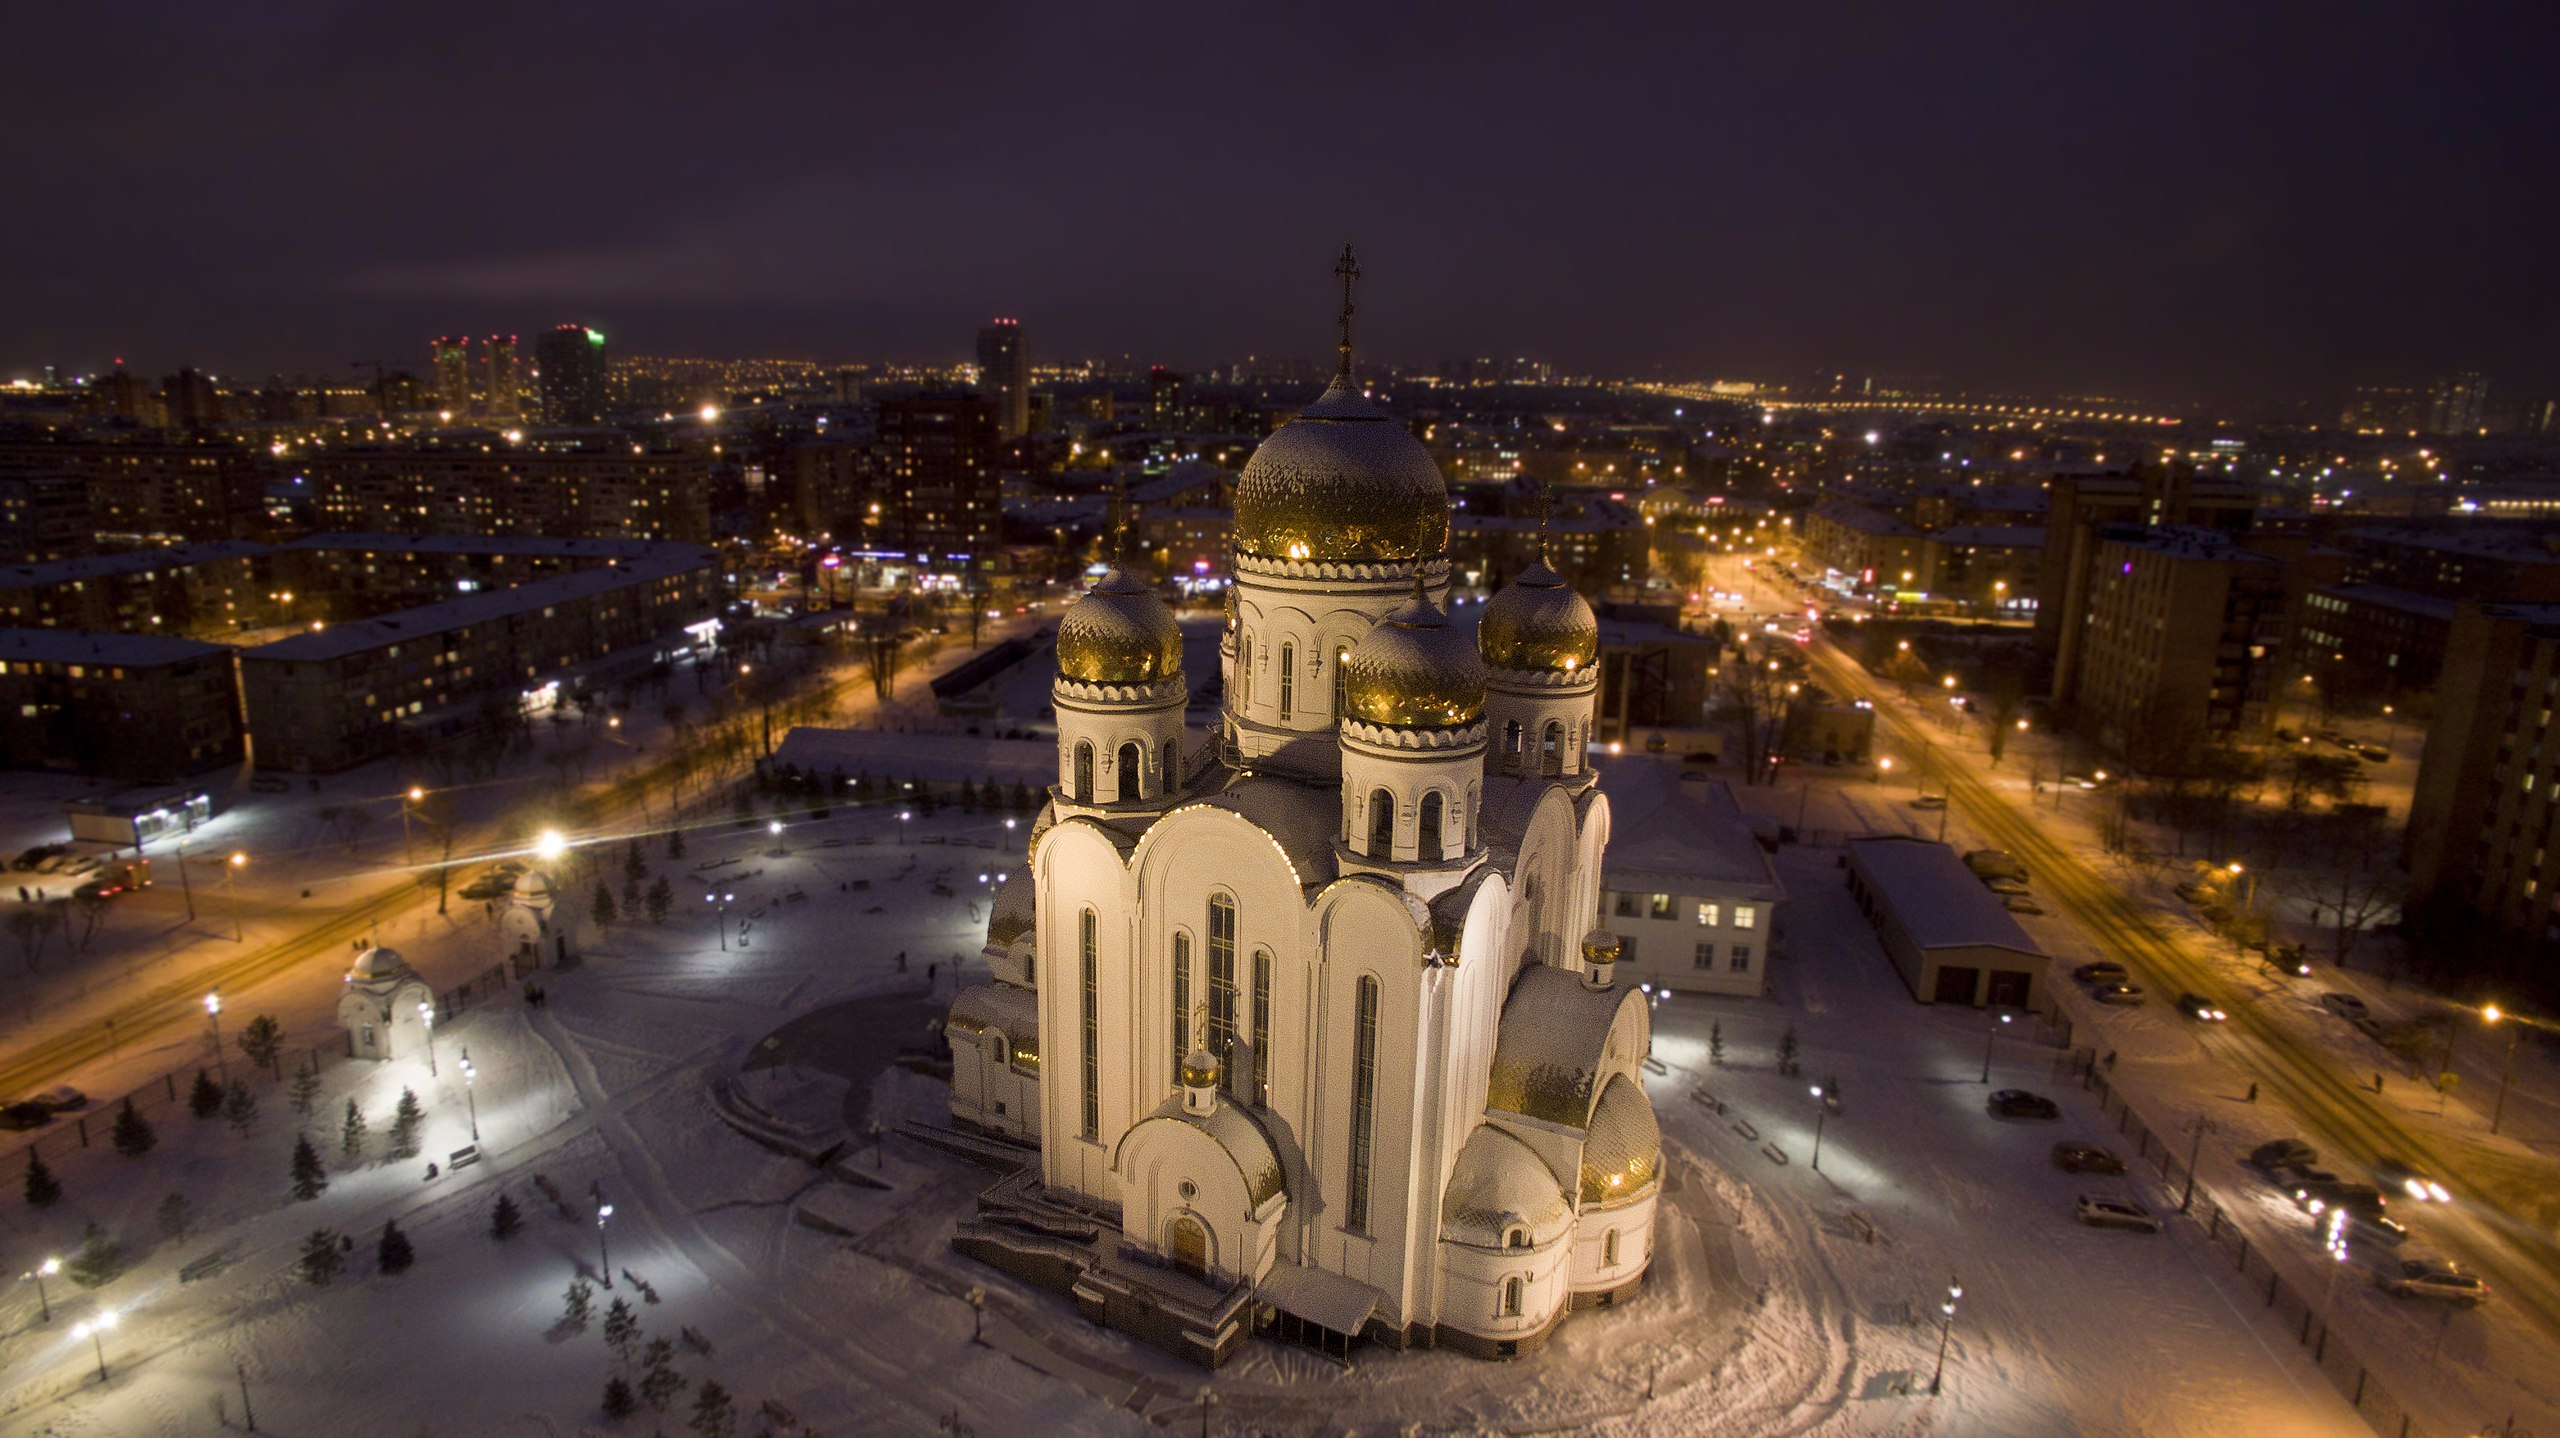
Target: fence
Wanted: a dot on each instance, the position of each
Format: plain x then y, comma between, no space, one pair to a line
92,1127
2282,1304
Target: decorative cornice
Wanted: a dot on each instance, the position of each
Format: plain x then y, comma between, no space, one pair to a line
1130,696
1390,739
1397,572
1541,682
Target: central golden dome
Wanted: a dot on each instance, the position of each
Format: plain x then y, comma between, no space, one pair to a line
1121,633
1538,623
1342,483
1414,672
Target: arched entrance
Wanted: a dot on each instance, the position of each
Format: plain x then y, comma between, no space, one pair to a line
1191,1246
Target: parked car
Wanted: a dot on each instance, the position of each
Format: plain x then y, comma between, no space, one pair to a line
2291,959
489,886
2393,1173
2373,753
2345,1006
2363,1227
2318,1195
2278,1153
2201,1009
22,1116
268,784
2073,1156
2128,995
2018,1103
61,1098
2104,971
2434,1278
1930,801
2020,904
1995,864
2121,1213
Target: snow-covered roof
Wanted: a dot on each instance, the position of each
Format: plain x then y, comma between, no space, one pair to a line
81,646
1328,1300
1990,536
1302,820
427,620
1233,1130
1498,1184
1938,901
1547,1055
132,561
936,758
1005,1008
1622,1153
1670,832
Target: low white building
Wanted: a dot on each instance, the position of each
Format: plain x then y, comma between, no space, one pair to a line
385,1006
1686,886
532,929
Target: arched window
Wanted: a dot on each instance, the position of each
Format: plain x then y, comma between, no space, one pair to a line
1341,668
1510,1299
1181,1002
1089,1018
1222,974
1515,1238
1288,676
1262,1026
1609,1249
1427,848
1083,793
1172,766
1551,760
1382,824
1364,1101
1511,746
1244,672
1133,766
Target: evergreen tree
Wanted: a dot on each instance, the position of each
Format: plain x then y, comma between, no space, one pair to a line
263,1042
305,1089
619,1401
240,1106
968,796
310,1180
660,898
1831,1090
675,843
604,909
504,1221
634,867
630,896
1787,1050
393,1254
204,1096
43,1189
133,1135
351,1132
1715,1044
406,1119
659,1380
714,1415
321,1259
581,1301
175,1218
621,1328
98,1260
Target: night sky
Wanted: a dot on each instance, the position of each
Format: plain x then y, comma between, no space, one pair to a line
2223,202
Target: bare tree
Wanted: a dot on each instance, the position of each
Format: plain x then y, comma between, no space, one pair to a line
2348,877
1750,692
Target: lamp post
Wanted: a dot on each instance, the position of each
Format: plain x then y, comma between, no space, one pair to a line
39,1273
1988,1040
95,1330
230,873
720,915
976,1298
413,795
1946,1328
604,1245
184,887
2195,1155
213,1019
1884,766
2498,1111
774,827
469,1098
1821,1111
903,817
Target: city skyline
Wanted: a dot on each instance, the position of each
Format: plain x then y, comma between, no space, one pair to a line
2207,210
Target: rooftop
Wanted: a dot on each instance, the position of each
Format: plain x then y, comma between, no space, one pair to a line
1668,829
1991,536
2386,597
2496,540
1937,899
340,640
2183,541
1863,519
78,646
509,544
132,561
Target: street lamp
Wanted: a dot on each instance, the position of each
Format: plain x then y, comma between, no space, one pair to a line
604,1246
1946,1327
1988,1040
1884,766
903,817
550,845
231,871
427,1019
2498,1111
40,1273
95,1330
468,1097
720,914
213,1018
1821,1111
407,801
774,827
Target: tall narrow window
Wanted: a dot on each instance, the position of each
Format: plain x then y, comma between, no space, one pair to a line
1222,974
1181,1002
1172,766
1382,824
1551,758
1288,676
1084,773
1244,672
1088,953
1427,848
1262,1026
1364,1100
1132,771
1510,1298
1341,667
1511,745
1609,1249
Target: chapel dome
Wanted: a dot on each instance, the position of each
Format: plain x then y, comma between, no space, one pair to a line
1199,1068
378,963
1622,1150
1342,483
1121,633
1499,1185
1414,672
1538,623
534,885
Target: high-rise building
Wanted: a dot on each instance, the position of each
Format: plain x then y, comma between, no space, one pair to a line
1004,376
941,500
2455,403
2482,812
453,377
501,395
2185,633
570,361
1165,389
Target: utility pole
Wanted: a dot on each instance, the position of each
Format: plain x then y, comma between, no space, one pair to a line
250,1415
2195,1152
1946,1327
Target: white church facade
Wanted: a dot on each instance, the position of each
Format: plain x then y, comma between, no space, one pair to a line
1309,1021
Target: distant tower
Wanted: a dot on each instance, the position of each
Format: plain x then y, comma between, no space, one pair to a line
453,376
570,361
1004,375
502,394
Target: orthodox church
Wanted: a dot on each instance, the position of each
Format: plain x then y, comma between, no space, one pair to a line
1310,1023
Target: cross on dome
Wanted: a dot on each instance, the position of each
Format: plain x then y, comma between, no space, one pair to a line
1346,269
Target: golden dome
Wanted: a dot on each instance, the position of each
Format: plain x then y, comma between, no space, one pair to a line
1600,947
1538,623
1121,633
1199,1069
1622,1149
1343,483
1414,672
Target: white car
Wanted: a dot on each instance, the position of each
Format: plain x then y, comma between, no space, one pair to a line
2436,1279
2124,1213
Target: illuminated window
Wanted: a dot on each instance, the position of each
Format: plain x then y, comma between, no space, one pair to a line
1364,1099
1222,973
1745,916
1662,908
1510,1299
1709,915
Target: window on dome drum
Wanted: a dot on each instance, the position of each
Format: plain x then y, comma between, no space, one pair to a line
1181,1002
1510,1299
1364,1101
1511,744
1084,773
1609,1249
1262,1026
1382,824
1222,974
1288,676
1710,915
1551,757
1341,666
1662,907
1088,953
1132,771
1515,1238
1706,956
1244,672
1427,847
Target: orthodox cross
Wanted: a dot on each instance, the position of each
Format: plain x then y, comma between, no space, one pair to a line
1346,269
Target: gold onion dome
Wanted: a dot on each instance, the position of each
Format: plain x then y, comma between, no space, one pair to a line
1199,1068
1121,633
1414,672
1342,483
1538,623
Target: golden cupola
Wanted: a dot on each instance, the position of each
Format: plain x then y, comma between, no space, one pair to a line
1413,671
1537,623
1120,634
1342,483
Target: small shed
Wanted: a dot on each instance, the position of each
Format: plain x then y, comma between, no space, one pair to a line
1952,939
532,928
384,1008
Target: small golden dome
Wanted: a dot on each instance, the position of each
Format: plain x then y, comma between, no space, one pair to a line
1121,633
1538,623
1600,947
1342,483
1414,672
1199,1068
1622,1149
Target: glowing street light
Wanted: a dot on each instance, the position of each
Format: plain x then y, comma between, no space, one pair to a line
2498,1112
469,1074
95,1330
427,1018
720,914
1988,1040
408,801
230,872
40,1273
1946,1327
604,1245
550,845
1821,1111
903,816
213,1019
